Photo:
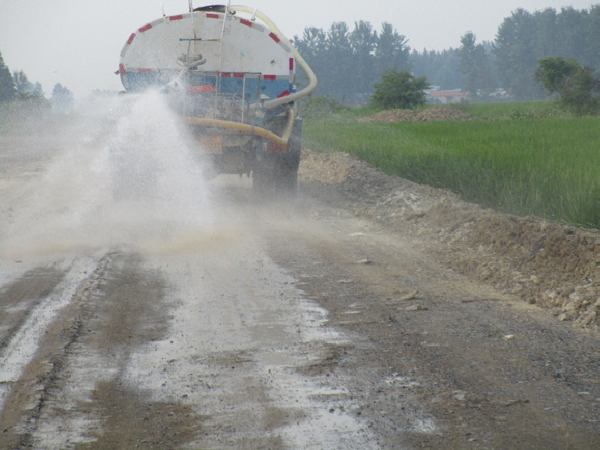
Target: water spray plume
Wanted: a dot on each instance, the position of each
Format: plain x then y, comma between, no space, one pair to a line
129,176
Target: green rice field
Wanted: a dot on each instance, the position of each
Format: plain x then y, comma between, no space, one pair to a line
548,167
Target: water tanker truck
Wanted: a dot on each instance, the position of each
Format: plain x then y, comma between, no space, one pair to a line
230,75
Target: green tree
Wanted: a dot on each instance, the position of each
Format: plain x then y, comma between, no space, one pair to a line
440,68
523,39
592,37
545,42
474,66
578,92
37,90
312,47
364,42
570,27
8,91
22,83
468,63
515,57
340,60
399,89
576,85
62,98
553,73
392,49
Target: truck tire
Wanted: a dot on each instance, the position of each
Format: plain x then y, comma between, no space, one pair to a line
276,175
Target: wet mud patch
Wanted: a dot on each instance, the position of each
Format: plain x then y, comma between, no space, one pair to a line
232,359
19,298
252,390
30,390
115,310
330,356
130,420
132,307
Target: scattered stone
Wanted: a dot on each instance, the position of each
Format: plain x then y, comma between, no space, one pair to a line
409,296
460,396
576,298
570,307
364,261
416,308
518,288
514,402
588,319
415,215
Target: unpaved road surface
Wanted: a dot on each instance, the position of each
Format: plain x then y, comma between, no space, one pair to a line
328,324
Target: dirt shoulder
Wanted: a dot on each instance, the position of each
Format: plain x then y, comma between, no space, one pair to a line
554,266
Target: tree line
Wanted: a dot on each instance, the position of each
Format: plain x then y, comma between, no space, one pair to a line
349,62
17,87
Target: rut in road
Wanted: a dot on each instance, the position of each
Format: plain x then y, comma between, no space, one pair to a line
220,371
35,350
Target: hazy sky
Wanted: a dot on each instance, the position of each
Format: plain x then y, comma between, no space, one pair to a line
77,42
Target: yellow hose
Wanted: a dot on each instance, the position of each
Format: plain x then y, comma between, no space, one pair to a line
255,131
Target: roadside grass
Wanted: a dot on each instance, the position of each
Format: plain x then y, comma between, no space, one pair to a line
546,167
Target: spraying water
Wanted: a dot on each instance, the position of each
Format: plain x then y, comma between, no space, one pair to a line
128,175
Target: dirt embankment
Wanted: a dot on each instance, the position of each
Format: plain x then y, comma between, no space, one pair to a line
409,115
549,264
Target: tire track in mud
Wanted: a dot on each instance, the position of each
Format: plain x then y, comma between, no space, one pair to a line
91,402
34,357
21,297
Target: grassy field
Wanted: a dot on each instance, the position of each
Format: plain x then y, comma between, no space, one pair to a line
547,167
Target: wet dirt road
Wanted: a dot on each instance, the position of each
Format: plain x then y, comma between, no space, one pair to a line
270,326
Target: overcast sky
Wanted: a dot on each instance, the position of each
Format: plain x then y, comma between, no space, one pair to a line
77,42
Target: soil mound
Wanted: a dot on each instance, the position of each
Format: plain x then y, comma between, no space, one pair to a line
408,115
436,114
549,264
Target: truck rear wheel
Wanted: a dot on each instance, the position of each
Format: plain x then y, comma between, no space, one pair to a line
276,175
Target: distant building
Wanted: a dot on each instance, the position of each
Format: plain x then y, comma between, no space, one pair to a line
456,96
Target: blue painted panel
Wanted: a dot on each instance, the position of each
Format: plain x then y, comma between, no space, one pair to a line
271,88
